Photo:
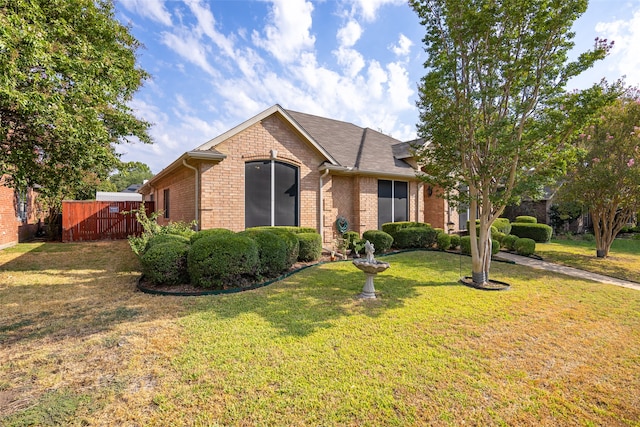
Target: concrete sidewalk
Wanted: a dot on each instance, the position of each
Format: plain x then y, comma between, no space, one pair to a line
570,271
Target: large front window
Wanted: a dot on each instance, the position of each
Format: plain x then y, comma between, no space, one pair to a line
271,194
393,200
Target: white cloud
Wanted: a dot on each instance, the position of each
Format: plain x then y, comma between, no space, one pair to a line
369,8
403,47
190,48
624,55
287,36
349,34
351,60
399,87
207,26
152,9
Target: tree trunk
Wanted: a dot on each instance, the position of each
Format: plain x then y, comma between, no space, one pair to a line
480,245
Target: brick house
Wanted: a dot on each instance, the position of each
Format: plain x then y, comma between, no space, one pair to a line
283,167
18,215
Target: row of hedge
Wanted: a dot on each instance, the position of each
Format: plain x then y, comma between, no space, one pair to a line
220,259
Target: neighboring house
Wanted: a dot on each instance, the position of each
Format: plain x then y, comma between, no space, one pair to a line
18,215
283,167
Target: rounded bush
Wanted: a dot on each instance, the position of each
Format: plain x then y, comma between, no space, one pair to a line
289,237
455,241
509,242
159,239
465,246
223,261
539,232
310,246
495,247
272,251
526,219
210,232
166,263
415,237
498,236
525,246
290,228
443,241
381,241
503,225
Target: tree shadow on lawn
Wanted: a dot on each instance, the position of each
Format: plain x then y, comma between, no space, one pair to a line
89,291
318,296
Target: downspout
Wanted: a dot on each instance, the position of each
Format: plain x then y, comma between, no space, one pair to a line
197,216
321,204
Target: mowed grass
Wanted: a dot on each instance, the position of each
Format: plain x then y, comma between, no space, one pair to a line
79,346
623,261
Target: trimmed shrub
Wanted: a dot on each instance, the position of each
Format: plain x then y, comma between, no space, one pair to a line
539,232
290,228
223,261
392,228
443,241
381,241
509,242
498,236
351,237
166,263
272,251
495,247
210,232
415,237
293,244
525,246
455,241
503,225
526,219
310,246
465,246
160,239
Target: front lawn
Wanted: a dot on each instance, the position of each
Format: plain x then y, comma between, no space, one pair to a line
623,261
79,346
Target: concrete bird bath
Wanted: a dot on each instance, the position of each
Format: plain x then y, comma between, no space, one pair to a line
370,267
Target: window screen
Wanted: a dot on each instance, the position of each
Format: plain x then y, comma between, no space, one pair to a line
271,194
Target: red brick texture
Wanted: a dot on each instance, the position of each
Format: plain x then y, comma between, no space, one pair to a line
12,228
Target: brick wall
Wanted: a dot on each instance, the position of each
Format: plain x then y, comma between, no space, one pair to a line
12,229
223,184
181,186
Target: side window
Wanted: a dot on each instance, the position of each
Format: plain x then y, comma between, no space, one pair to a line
393,201
166,203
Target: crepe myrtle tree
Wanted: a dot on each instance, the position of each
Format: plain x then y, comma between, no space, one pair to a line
606,177
67,73
493,105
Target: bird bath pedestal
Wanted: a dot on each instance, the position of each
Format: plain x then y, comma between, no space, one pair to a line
370,267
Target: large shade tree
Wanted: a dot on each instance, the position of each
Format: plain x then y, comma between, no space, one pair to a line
493,107
606,177
67,73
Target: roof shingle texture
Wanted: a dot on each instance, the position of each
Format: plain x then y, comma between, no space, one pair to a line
363,149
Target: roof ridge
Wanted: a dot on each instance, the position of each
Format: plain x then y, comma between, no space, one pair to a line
360,149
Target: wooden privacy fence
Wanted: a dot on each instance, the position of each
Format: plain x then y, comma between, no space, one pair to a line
93,220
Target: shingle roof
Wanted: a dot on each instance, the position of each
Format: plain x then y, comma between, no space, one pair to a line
362,149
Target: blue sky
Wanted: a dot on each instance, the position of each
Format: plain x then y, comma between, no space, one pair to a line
214,64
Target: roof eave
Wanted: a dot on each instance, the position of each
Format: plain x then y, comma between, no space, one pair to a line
342,170
213,156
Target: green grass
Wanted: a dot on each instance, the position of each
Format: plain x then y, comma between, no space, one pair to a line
553,350
623,261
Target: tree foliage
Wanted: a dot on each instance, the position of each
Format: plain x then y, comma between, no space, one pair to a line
67,71
606,177
130,173
493,105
